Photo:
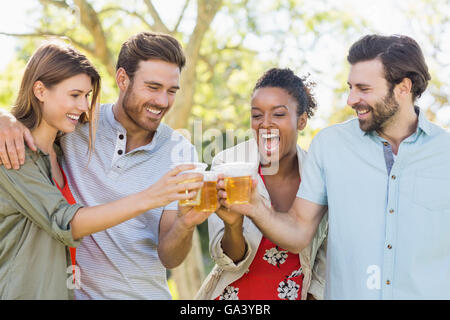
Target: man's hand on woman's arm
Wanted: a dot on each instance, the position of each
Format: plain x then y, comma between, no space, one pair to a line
13,135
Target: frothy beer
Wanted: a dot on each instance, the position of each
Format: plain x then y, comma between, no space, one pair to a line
238,181
200,167
208,197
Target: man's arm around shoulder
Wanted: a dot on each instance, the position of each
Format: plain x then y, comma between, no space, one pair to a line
12,136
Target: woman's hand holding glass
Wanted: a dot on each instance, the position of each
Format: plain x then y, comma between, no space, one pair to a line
196,210
233,213
174,186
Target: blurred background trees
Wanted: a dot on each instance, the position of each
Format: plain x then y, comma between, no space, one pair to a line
229,44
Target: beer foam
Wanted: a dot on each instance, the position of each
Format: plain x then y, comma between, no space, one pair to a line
199,167
210,176
236,169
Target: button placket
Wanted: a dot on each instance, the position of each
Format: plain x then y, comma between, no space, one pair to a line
391,222
119,149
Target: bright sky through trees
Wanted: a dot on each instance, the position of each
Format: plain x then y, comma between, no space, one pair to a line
382,16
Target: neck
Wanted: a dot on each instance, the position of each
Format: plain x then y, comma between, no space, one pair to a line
136,135
287,166
402,125
44,137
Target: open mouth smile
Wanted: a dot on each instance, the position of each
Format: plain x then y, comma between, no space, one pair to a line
73,117
362,112
153,110
270,141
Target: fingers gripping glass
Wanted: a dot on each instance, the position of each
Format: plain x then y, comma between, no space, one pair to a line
199,168
238,180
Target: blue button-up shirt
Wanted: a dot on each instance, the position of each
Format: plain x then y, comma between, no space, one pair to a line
389,220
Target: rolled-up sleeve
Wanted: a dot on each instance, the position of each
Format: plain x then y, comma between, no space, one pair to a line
216,231
317,287
318,259
39,200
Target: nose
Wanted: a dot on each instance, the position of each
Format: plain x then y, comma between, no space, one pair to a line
267,121
162,99
352,98
84,105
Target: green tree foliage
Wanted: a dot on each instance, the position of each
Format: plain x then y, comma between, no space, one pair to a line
10,82
229,44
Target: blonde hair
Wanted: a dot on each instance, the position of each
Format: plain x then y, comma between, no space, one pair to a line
52,63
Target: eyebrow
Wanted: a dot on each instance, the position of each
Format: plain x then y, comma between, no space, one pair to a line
280,106
154,83
274,107
79,90
359,85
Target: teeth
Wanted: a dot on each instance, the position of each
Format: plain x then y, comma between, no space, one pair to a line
73,117
270,141
269,136
362,111
271,146
154,111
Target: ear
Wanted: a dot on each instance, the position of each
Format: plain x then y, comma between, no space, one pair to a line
39,90
404,88
122,79
302,121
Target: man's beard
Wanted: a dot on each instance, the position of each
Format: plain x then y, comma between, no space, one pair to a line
132,110
381,113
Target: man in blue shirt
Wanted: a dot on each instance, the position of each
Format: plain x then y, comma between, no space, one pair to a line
384,178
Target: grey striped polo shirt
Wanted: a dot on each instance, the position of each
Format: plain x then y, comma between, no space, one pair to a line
121,262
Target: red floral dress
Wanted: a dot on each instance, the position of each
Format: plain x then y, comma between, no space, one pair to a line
274,274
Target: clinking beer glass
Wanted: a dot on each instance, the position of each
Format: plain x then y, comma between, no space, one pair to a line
238,180
208,193
199,168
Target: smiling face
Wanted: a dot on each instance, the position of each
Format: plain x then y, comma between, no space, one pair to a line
275,123
151,93
370,96
64,103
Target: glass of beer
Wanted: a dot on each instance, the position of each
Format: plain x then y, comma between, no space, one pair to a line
208,193
199,168
238,180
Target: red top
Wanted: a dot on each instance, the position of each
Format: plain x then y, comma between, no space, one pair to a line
274,274
70,199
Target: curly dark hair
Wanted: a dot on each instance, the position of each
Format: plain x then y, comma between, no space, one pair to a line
298,88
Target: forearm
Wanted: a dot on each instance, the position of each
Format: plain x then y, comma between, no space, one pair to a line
164,191
284,229
90,220
233,242
175,245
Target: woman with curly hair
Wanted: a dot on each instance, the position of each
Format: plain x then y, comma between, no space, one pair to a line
248,265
